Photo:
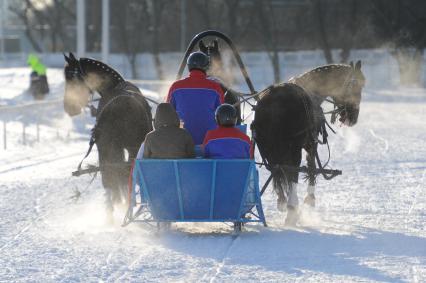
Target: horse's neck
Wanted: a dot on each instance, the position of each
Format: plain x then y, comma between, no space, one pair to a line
322,85
100,77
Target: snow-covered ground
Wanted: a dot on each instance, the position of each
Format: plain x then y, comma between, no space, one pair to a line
369,223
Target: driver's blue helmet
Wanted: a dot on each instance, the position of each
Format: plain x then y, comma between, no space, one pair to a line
198,60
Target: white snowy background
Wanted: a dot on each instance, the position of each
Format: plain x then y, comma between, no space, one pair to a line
368,225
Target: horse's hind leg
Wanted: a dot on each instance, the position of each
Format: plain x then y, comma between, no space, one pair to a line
293,200
109,157
280,187
310,159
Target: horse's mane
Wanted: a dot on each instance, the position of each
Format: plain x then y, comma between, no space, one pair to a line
324,68
100,67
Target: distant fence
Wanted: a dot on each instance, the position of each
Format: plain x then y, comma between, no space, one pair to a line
29,121
15,114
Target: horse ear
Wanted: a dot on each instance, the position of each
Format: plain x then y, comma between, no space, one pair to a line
72,57
358,65
215,44
67,59
202,46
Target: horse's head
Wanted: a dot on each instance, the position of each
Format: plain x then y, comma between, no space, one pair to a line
77,93
216,63
350,98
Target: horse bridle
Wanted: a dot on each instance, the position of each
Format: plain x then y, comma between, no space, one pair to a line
347,85
80,74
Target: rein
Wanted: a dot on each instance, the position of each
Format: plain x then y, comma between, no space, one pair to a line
245,98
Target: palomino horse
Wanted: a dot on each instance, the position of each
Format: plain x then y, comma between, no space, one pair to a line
289,117
122,121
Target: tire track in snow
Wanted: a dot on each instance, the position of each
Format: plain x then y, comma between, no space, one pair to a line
40,162
120,274
31,223
383,140
418,191
22,231
221,264
38,213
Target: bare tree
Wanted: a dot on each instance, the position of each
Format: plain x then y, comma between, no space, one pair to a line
156,15
267,25
51,15
131,21
205,9
349,29
401,24
320,12
23,12
337,26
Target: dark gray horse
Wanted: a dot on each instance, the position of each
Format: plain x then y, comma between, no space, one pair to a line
122,121
289,118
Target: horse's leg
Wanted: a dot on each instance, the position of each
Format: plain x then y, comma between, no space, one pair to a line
132,151
285,182
310,159
106,180
280,187
110,155
120,172
293,177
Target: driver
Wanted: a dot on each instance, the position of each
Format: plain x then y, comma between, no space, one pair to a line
196,97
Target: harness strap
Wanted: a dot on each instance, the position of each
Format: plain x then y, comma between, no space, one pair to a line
147,98
91,143
266,184
245,99
329,126
325,175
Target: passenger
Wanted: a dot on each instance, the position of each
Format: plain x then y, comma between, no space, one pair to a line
167,140
196,97
38,79
227,141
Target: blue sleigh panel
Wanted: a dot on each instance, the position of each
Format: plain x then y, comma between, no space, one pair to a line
231,181
158,182
197,190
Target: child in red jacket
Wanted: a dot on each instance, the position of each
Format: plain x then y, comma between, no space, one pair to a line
227,141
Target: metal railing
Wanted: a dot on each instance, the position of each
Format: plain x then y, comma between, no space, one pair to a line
6,111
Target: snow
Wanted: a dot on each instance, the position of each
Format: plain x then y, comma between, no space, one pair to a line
368,226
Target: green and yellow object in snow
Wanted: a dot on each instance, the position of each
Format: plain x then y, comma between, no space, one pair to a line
36,65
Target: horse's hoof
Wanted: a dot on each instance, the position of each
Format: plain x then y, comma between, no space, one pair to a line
292,216
310,200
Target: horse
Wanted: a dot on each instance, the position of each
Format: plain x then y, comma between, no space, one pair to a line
289,118
217,72
123,119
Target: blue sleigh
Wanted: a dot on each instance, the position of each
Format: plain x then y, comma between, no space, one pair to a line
195,190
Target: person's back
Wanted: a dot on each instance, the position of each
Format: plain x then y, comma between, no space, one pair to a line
168,140
227,141
196,98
